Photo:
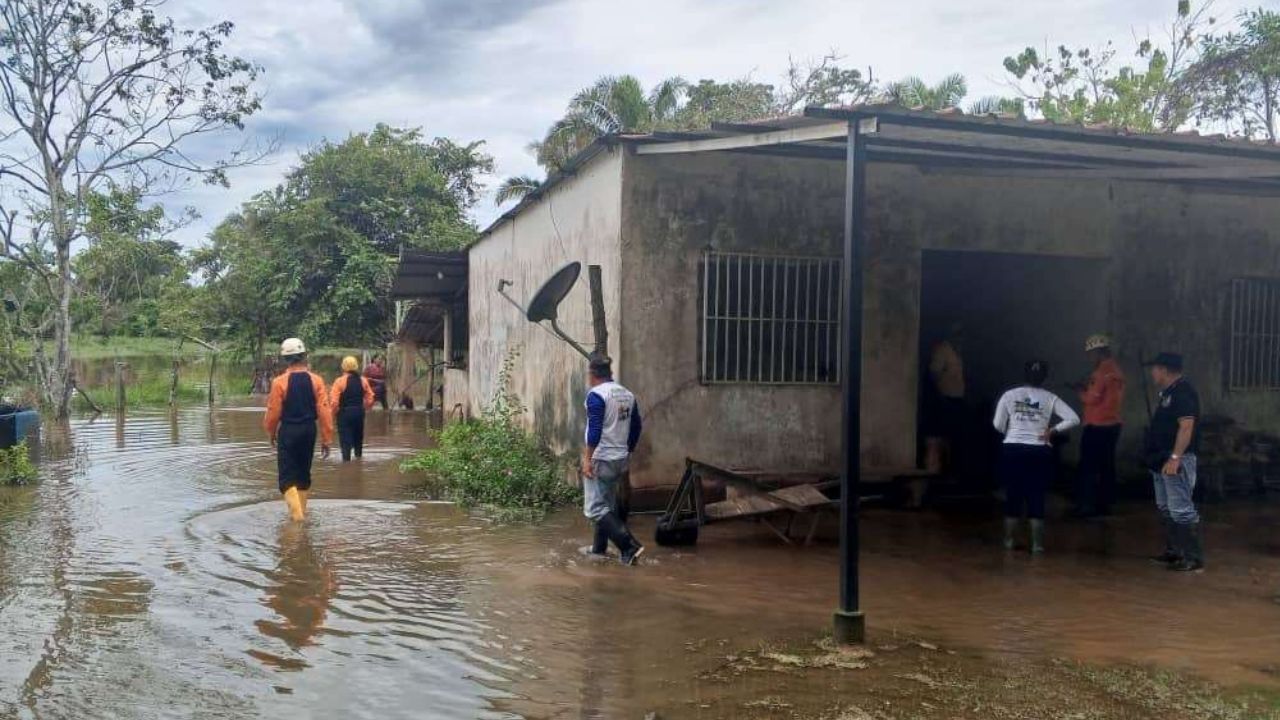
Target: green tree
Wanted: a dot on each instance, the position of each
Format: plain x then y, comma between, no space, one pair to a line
1236,81
131,274
248,278
708,101
515,188
1086,86
620,104
96,95
315,256
613,104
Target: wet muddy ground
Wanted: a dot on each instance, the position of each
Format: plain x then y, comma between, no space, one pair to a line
151,574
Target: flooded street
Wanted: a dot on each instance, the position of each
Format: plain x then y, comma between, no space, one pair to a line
151,574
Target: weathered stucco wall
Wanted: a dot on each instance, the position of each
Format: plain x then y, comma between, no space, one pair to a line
1166,256
1181,251
1171,253
674,208
578,220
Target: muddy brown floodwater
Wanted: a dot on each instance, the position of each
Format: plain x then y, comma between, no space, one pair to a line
151,574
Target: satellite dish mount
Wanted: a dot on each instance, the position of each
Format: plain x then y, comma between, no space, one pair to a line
546,302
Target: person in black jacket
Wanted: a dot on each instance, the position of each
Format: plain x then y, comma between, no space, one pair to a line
350,396
1172,443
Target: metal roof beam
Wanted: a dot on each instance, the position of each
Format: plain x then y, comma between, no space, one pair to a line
761,139
1252,171
1082,136
995,152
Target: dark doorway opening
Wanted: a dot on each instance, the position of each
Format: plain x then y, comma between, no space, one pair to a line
1012,308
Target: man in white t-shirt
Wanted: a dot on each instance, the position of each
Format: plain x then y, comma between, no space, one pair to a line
1025,416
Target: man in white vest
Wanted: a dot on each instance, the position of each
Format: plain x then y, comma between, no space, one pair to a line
613,429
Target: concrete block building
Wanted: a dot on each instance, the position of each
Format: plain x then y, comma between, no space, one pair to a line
723,257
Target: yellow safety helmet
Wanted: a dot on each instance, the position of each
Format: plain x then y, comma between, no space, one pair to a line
350,364
1097,342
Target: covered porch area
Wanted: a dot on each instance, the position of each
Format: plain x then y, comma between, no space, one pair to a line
430,346
1032,235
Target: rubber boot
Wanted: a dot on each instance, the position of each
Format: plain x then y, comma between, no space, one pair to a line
600,542
1010,527
1188,535
1172,554
616,532
294,501
1037,536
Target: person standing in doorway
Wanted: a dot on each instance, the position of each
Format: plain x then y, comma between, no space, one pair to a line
295,405
1103,398
613,429
946,417
349,398
1024,416
376,373
1172,443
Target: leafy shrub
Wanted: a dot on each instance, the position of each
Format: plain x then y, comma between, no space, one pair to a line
16,467
491,462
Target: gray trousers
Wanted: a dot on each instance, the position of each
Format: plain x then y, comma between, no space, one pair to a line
600,493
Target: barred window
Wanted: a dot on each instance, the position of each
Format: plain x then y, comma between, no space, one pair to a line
1253,361
770,320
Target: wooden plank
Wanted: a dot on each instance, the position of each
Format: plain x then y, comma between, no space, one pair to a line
803,496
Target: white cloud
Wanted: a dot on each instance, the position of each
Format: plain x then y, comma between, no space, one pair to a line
502,71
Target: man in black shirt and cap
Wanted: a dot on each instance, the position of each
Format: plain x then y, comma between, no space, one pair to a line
1172,442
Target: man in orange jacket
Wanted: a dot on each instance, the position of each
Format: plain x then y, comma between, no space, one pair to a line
1103,399
296,403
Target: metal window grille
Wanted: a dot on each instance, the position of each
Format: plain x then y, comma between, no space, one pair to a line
770,320
1253,361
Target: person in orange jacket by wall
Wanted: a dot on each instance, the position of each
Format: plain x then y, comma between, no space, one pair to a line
349,397
1103,398
296,404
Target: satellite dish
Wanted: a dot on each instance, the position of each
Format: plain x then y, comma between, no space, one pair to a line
548,298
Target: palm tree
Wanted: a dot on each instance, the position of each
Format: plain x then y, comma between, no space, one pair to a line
515,188
913,92
995,105
613,104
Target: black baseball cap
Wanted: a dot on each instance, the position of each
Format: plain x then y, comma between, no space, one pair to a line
1167,360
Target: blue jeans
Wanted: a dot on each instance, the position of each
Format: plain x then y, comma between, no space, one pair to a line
1174,492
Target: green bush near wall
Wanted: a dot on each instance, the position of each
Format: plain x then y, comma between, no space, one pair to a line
491,463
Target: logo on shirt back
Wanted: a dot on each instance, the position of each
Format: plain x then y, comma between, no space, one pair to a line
1026,408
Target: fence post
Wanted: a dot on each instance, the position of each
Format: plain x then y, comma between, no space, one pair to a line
173,385
213,365
120,396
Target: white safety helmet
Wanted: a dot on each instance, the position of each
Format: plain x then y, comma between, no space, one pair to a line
1097,342
292,346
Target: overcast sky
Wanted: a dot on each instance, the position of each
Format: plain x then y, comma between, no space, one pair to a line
502,71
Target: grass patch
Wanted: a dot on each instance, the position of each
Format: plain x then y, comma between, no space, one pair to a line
16,467
492,464
153,391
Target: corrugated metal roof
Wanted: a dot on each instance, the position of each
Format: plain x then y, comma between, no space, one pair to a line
430,275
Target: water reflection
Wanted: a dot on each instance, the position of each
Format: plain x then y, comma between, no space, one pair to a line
299,591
